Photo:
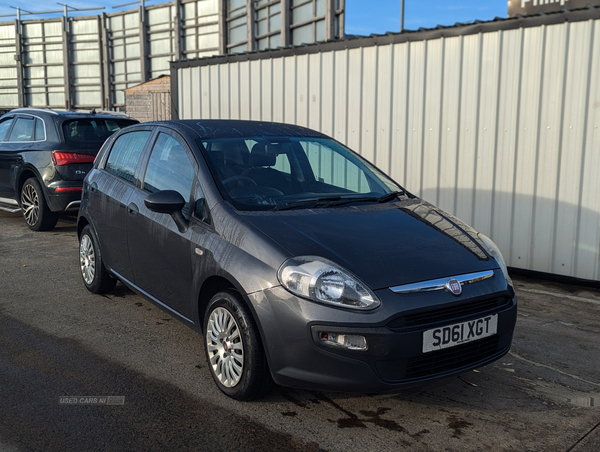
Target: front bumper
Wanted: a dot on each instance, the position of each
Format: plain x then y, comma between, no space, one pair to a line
290,328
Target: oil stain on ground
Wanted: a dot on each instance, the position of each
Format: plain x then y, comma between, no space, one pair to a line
457,425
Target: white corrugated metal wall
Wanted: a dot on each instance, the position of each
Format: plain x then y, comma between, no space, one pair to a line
500,128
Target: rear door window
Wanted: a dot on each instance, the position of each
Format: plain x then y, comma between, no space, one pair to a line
125,154
23,130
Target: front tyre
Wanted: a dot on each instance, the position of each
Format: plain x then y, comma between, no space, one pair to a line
234,351
36,212
94,274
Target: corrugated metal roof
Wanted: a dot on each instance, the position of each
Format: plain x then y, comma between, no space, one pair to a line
421,34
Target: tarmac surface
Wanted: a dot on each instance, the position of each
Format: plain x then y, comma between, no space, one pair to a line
64,352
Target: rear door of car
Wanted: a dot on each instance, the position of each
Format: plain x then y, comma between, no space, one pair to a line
6,191
19,139
160,254
110,190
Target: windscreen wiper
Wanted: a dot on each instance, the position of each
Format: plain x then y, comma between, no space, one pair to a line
339,201
391,196
381,199
307,202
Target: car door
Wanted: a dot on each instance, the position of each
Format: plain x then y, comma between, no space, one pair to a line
160,254
5,173
110,190
18,137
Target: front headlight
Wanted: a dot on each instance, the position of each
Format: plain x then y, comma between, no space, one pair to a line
496,254
320,280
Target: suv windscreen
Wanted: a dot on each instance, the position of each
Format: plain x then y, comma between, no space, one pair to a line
272,173
92,130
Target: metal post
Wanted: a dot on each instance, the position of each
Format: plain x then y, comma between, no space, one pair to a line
223,32
19,61
105,65
286,12
177,31
342,19
143,45
330,20
66,15
401,16
251,25
66,65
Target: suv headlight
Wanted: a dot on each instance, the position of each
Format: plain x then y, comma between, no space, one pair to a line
496,254
320,280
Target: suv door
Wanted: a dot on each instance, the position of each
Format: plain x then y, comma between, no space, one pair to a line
17,140
160,254
5,162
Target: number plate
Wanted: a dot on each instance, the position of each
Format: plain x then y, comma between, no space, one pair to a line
460,333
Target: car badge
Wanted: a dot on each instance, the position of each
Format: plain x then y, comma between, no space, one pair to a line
453,286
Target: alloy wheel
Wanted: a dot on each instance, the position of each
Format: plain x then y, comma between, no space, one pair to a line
225,347
31,204
87,259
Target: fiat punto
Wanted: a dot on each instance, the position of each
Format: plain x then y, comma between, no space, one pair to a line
297,260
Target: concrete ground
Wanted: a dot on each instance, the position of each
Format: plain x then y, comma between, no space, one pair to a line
58,341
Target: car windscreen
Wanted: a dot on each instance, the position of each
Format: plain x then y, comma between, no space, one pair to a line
87,131
277,173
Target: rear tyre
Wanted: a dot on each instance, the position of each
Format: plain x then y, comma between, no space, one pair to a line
37,214
234,351
94,274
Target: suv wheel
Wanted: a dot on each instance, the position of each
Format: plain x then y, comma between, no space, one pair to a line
94,274
234,352
36,212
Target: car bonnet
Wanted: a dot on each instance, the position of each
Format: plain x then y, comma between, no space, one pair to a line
383,244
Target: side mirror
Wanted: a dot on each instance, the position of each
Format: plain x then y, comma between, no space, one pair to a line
171,202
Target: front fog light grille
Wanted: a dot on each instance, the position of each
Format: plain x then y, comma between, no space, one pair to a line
347,341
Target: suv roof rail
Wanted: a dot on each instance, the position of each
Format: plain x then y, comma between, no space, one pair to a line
46,110
112,113
63,112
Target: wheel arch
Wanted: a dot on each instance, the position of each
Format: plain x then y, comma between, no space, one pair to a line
210,287
82,222
25,174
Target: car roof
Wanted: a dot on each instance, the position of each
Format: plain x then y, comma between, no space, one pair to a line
227,128
66,114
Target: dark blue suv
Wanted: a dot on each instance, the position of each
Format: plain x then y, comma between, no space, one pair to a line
44,157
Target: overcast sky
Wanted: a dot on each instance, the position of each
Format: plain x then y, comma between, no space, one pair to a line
362,16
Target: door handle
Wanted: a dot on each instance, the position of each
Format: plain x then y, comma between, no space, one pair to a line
133,209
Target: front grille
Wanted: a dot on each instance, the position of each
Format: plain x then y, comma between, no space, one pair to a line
429,365
434,315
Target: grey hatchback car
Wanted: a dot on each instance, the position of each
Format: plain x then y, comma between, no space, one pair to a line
298,260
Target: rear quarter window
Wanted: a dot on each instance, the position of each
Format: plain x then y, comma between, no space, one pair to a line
40,130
